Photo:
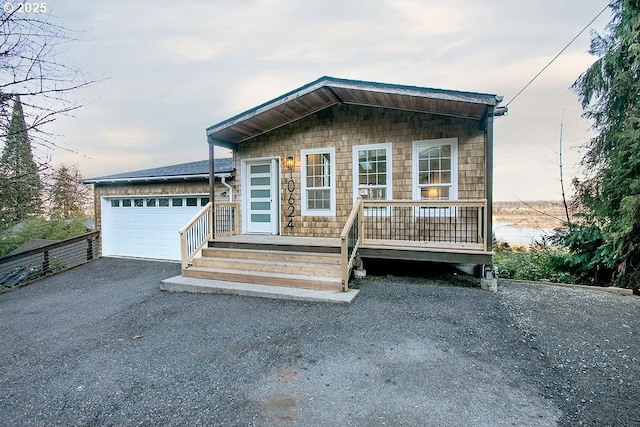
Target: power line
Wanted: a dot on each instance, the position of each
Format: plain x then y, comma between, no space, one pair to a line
559,53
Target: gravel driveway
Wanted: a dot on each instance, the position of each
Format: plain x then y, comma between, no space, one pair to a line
102,345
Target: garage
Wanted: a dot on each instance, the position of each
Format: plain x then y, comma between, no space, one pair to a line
147,227
139,213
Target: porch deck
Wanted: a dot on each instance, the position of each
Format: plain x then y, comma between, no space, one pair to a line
371,248
452,231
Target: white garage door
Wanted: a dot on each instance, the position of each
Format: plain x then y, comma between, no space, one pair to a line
146,227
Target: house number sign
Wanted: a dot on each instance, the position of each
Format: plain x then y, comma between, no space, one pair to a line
291,208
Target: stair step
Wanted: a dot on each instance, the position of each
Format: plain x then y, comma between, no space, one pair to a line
271,266
271,255
206,286
311,246
316,269
264,278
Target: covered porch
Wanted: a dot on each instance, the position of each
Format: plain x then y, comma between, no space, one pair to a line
452,231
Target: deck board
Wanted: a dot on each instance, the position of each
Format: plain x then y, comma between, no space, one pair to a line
281,240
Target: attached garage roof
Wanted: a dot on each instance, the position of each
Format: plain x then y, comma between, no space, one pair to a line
192,170
328,91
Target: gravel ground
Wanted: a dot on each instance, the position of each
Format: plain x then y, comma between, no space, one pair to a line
102,345
588,350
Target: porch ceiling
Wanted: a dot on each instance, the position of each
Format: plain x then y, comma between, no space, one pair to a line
328,91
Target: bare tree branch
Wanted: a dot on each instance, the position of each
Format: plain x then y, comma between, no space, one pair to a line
30,45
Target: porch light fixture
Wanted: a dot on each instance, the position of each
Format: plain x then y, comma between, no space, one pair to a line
289,163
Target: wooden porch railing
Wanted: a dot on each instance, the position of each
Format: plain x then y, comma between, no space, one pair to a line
199,230
446,224
350,241
227,218
195,235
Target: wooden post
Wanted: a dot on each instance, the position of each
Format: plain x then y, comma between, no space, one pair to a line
344,251
45,263
360,221
489,181
481,223
89,249
236,218
212,179
184,255
212,222
488,236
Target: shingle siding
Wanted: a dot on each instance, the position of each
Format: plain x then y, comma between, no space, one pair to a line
343,127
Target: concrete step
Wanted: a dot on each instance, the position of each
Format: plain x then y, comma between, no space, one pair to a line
272,255
314,269
188,284
262,278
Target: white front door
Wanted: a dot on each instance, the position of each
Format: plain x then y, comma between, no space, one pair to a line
262,196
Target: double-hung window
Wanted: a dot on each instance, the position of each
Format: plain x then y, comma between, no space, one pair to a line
318,167
372,171
435,169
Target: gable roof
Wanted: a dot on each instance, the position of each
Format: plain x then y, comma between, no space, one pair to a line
192,170
328,91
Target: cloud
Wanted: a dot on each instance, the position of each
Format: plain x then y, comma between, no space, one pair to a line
175,69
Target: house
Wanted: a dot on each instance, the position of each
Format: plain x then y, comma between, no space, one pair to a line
140,213
323,177
342,170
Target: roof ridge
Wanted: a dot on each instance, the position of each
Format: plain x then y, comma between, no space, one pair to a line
196,169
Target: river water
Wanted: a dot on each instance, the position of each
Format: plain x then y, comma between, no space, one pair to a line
525,235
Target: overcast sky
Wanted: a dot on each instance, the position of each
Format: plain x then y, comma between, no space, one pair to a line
171,69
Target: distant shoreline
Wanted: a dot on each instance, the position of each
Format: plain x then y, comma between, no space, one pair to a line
530,214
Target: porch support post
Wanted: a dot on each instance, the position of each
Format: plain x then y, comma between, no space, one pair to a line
212,179
489,168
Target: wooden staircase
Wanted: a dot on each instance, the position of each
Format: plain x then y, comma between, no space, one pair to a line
309,267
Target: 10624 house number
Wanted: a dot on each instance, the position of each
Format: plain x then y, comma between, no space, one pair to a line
291,208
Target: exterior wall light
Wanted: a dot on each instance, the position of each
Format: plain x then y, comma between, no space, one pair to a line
289,163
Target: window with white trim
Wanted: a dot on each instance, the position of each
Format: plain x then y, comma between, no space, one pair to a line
372,171
318,173
435,169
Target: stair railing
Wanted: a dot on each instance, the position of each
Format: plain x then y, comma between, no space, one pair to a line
350,241
196,234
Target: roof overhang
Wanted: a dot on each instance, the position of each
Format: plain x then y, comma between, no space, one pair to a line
157,179
201,177
328,91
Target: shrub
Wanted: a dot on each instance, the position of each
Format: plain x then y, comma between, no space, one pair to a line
590,257
55,266
533,263
54,229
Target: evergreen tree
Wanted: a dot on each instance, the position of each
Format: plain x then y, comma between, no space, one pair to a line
20,185
68,196
609,236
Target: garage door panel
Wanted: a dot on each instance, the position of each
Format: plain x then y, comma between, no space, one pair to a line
144,231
